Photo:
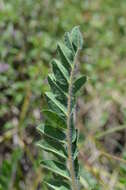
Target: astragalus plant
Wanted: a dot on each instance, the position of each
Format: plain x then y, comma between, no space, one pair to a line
60,135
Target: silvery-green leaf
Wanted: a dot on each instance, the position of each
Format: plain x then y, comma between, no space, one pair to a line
56,167
55,119
77,38
54,104
55,128
54,133
50,145
74,146
61,74
79,83
57,185
66,56
60,94
68,42
76,164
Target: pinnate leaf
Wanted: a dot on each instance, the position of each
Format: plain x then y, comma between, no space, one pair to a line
58,118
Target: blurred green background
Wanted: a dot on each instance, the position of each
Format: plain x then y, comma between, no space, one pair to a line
29,31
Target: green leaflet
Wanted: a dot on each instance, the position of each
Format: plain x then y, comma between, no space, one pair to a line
54,133
66,56
56,167
60,72
54,119
61,75
74,131
77,39
54,104
57,185
68,42
79,83
51,145
61,95
76,167
74,146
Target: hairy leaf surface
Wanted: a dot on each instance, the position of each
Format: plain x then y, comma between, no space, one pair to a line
56,167
60,136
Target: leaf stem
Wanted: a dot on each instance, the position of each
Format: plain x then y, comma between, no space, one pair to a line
69,131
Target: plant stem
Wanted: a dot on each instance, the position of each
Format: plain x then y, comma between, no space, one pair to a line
69,131
109,131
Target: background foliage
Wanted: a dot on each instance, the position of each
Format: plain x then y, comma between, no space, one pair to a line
29,32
